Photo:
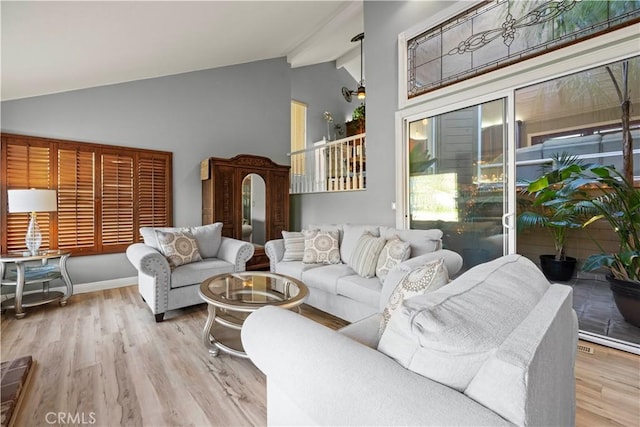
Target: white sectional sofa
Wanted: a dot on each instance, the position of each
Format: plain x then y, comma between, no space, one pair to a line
495,346
337,289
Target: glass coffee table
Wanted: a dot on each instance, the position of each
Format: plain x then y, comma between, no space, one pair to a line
232,297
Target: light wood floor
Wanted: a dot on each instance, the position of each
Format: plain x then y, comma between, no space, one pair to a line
103,356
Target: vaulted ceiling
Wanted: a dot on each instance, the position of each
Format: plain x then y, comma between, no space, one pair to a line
51,46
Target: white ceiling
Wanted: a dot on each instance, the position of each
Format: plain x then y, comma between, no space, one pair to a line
51,46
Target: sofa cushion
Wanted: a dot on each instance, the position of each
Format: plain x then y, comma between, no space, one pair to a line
393,253
358,288
326,277
425,278
294,269
364,257
320,247
209,238
293,246
446,335
350,236
197,272
179,247
421,241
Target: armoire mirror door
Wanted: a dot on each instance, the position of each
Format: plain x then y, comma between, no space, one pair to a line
254,209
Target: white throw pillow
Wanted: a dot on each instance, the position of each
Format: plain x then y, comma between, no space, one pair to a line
209,238
364,256
293,245
393,253
446,335
149,235
350,235
421,241
321,247
178,247
425,278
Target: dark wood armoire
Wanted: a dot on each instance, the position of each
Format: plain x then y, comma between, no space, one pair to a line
222,198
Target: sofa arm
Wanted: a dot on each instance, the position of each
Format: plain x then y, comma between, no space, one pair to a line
235,251
318,376
148,260
154,276
452,260
275,251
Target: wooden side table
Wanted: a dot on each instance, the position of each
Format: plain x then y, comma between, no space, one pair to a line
27,272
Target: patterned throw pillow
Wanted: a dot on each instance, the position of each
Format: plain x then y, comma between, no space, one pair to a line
420,280
293,245
394,252
321,247
364,257
179,247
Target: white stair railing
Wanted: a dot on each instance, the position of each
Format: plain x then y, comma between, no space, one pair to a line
330,166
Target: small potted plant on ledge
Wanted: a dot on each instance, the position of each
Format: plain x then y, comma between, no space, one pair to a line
612,198
545,207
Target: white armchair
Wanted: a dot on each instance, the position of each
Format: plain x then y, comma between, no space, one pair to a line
164,288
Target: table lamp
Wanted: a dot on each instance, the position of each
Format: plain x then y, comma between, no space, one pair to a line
32,201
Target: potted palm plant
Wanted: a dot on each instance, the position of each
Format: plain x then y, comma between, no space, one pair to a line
553,211
612,198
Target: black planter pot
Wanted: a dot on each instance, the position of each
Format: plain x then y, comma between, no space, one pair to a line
557,270
626,295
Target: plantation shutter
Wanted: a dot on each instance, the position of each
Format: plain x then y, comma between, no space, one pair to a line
153,203
76,199
27,165
117,199
105,193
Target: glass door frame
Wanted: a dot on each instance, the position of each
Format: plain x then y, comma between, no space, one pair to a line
598,51
402,167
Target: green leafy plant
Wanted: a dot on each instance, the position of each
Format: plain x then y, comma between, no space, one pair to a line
612,198
550,208
358,113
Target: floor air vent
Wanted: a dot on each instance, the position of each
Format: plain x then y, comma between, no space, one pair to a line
585,349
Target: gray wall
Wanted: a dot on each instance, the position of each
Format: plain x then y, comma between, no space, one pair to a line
218,112
383,21
319,86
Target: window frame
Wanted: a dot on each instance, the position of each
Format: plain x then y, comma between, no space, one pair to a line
163,160
610,47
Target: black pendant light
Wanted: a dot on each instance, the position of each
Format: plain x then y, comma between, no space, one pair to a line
360,92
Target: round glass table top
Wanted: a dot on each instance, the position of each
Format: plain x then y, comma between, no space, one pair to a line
248,291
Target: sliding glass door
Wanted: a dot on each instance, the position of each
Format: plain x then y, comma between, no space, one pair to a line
456,178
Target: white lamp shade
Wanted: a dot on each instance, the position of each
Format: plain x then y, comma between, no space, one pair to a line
32,200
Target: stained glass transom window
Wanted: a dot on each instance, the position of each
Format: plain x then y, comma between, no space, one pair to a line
498,33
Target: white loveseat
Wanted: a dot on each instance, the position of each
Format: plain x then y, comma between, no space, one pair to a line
338,290
499,339
164,288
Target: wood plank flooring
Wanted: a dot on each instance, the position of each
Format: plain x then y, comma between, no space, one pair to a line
103,358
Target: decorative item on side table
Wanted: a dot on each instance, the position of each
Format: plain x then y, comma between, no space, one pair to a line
32,201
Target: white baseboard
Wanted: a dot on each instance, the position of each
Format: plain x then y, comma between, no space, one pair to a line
83,288
610,342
